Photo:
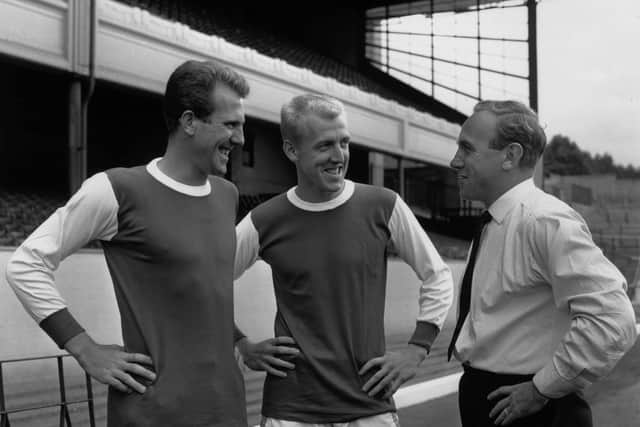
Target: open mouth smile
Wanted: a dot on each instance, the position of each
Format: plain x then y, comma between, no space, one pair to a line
335,171
224,151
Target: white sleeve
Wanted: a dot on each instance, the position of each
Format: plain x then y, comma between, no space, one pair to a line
247,246
602,326
92,213
414,246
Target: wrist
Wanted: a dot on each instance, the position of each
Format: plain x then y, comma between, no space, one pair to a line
242,345
541,397
419,352
79,345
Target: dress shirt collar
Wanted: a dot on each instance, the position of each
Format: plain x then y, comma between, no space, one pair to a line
501,207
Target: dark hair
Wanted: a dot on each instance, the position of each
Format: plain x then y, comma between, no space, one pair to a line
190,85
516,123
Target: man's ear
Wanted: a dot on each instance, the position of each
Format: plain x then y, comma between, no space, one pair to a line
188,122
512,156
290,150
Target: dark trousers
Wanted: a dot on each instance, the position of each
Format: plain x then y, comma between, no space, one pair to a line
476,385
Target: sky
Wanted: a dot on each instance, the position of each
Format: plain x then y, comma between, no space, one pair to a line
588,66
589,74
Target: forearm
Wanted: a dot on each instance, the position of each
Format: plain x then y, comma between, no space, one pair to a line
590,349
90,214
592,291
436,297
62,327
30,275
416,249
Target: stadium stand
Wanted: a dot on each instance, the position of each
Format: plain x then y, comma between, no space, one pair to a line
22,212
230,27
612,211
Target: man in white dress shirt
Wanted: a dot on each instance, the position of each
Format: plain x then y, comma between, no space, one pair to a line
547,312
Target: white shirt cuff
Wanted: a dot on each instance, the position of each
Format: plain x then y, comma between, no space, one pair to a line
554,386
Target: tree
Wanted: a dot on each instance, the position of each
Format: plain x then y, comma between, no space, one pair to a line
629,172
603,164
563,157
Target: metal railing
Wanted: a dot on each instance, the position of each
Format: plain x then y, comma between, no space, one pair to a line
63,404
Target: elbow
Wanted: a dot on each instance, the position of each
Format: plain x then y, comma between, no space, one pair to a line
630,328
16,268
626,323
12,271
622,330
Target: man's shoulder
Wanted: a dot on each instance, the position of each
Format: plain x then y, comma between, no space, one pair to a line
542,206
124,174
219,183
374,193
275,212
276,204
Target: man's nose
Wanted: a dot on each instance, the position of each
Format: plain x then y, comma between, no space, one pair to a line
237,137
456,162
337,154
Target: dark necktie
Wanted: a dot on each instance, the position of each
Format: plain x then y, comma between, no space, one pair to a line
465,287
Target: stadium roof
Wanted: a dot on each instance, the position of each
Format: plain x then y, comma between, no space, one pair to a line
403,7
194,14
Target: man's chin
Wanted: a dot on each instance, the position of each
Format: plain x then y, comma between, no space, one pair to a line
334,185
218,170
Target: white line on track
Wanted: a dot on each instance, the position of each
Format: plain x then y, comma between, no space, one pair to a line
428,390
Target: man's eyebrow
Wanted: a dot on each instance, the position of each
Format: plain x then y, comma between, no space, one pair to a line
323,142
465,144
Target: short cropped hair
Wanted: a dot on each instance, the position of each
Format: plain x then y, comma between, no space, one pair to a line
516,123
293,113
190,86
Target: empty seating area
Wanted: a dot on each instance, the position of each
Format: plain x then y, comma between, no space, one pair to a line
616,229
22,212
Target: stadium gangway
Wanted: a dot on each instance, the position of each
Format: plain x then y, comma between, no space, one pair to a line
65,417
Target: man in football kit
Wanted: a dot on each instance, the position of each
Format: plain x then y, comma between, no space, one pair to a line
168,233
326,241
